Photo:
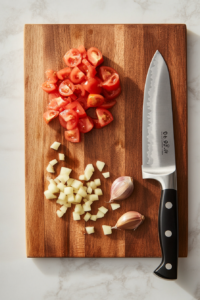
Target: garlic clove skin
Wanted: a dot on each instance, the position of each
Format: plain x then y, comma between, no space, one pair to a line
121,188
130,220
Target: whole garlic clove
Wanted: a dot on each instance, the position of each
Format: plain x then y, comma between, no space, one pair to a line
121,188
129,220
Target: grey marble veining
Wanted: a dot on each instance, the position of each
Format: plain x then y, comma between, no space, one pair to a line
91,279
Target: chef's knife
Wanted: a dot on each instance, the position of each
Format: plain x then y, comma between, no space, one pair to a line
158,159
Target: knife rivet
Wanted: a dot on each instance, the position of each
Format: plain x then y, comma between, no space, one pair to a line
168,233
168,266
168,205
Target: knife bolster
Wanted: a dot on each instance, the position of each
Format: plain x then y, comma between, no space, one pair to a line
167,180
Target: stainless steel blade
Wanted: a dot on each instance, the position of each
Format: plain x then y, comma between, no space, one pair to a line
158,153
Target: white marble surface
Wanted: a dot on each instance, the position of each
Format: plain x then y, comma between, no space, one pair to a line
91,279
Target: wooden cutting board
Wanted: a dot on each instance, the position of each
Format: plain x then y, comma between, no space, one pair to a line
129,49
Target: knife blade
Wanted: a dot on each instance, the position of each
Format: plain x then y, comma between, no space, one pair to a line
158,159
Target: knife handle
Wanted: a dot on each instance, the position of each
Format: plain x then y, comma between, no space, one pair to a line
168,234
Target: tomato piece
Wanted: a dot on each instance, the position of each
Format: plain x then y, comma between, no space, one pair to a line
49,87
70,117
82,50
57,104
73,135
112,83
83,102
64,73
62,122
108,104
104,116
85,125
50,115
73,97
92,86
95,122
95,100
76,106
51,76
72,58
95,56
66,88
54,95
79,90
106,72
76,75
109,95
87,68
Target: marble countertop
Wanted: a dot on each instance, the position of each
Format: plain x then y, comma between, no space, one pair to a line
91,279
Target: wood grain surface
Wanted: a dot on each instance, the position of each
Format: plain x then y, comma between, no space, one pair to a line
129,49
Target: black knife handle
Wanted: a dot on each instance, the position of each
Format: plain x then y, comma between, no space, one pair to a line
168,234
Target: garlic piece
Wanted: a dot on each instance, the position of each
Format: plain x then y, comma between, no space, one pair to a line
65,171
93,217
129,220
97,182
107,229
121,188
87,216
100,165
115,206
61,156
53,162
90,229
50,168
106,175
55,145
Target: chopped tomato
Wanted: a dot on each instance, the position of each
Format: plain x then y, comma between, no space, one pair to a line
95,100
83,102
67,100
76,106
50,115
54,95
92,86
79,90
62,122
112,83
76,75
70,117
104,116
49,87
82,50
108,104
109,95
65,88
52,76
95,122
95,56
85,125
106,72
72,58
87,68
73,135
57,104
73,97
64,73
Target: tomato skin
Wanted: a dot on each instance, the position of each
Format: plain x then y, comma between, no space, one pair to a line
108,104
94,56
56,104
112,83
49,87
95,122
95,100
51,76
50,115
76,75
83,102
64,73
104,116
70,117
65,88
110,95
73,135
76,106
72,58
92,86
85,124
79,90
82,50
106,72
